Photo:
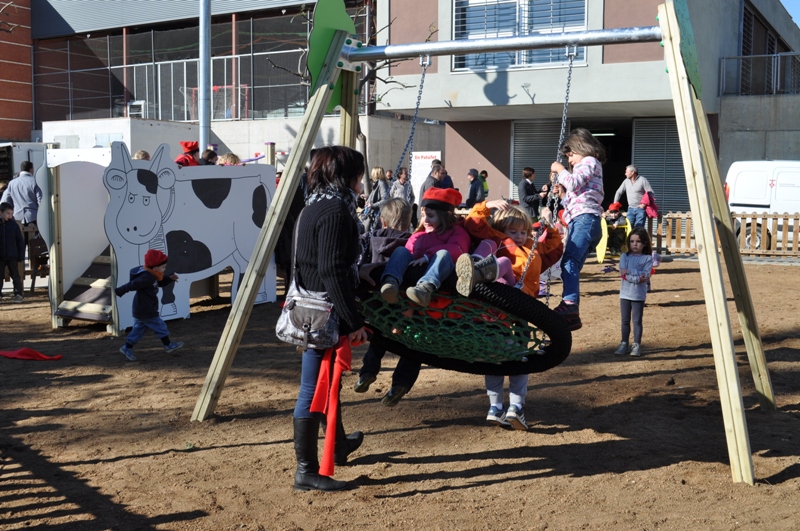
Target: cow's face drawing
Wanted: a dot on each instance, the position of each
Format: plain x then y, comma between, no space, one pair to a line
139,218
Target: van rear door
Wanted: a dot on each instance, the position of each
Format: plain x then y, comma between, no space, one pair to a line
750,189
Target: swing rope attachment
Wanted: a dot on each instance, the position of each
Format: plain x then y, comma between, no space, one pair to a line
424,62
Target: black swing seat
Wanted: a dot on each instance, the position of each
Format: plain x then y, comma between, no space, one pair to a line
497,330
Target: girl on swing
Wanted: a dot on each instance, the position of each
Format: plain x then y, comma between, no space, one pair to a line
505,250
582,210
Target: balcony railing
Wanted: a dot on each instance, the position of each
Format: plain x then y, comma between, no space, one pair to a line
760,74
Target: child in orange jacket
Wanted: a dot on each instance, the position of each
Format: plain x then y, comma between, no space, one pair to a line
505,245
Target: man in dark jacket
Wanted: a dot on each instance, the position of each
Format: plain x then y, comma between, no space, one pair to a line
12,249
476,192
529,197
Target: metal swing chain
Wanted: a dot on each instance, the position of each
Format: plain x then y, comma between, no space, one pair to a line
424,62
552,201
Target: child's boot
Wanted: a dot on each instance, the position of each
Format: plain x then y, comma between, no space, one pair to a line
470,272
390,290
421,293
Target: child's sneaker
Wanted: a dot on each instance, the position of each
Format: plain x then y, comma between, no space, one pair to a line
18,298
364,381
516,417
175,345
394,395
390,291
127,352
421,293
622,349
636,350
570,314
496,416
471,272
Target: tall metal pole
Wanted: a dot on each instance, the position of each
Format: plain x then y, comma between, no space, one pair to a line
204,74
503,44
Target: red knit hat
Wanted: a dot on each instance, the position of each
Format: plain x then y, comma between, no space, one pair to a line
615,207
154,258
189,147
441,199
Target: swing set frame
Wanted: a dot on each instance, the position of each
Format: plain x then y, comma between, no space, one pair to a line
706,197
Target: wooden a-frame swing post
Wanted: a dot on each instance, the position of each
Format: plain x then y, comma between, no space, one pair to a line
706,199
268,238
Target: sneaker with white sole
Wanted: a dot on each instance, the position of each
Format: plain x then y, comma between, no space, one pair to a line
175,345
18,298
127,352
636,350
622,349
571,315
496,416
390,290
516,417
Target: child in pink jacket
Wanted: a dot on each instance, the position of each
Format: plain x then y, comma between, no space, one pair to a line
438,242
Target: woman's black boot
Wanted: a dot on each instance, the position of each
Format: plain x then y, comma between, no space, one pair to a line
306,435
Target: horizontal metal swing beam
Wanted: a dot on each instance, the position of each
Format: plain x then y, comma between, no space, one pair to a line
503,44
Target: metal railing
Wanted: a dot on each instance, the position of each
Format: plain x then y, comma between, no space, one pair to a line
760,74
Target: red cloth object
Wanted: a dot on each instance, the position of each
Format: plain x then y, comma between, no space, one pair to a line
326,397
28,354
154,258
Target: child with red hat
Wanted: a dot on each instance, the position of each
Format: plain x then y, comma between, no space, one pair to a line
145,281
191,154
617,228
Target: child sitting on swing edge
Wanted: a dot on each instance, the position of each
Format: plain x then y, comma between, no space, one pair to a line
582,210
505,253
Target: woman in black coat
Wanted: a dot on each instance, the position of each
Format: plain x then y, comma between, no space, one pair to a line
327,251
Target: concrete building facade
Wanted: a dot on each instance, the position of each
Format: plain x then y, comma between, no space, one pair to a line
503,111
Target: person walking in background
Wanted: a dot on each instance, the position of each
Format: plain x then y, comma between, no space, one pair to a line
529,197
484,177
145,281
634,186
24,194
12,250
476,193
434,180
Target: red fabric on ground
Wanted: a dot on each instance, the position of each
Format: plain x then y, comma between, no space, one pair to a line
28,354
326,396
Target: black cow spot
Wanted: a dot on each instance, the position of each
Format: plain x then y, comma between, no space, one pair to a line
212,192
148,179
259,206
185,254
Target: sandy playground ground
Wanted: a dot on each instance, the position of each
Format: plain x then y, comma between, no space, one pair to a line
94,442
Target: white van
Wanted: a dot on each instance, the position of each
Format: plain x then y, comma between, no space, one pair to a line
764,187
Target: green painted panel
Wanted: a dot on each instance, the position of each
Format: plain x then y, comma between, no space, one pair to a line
329,17
688,48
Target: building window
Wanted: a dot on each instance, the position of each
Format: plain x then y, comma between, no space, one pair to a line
482,19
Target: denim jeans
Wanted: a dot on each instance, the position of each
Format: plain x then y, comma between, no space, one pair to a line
140,326
439,268
637,217
517,389
13,271
405,374
584,234
312,360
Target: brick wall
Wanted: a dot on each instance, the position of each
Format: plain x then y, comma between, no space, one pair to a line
16,72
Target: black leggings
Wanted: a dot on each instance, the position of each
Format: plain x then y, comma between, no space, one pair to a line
625,307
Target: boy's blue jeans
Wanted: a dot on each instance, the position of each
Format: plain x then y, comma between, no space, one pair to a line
439,268
584,234
140,326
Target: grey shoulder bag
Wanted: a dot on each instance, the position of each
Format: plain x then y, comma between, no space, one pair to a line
308,318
